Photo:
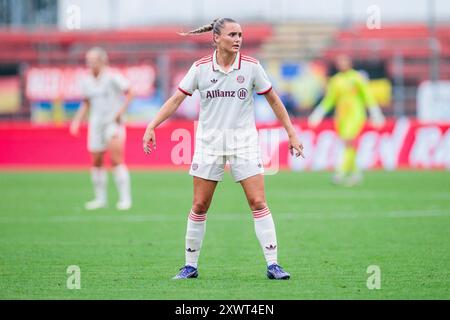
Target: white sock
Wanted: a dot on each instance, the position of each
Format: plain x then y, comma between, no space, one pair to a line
265,231
99,179
122,178
196,227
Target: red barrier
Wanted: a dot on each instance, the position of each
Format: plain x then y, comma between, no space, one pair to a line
400,144
31,145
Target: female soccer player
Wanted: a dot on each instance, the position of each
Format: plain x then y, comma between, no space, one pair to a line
103,92
226,81
349,92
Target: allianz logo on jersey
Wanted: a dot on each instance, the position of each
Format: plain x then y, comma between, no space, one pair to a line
241,94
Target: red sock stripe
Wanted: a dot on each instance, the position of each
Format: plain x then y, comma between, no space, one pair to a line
261,213
197,217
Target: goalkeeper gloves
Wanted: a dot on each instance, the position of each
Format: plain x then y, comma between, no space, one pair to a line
316,117
376,116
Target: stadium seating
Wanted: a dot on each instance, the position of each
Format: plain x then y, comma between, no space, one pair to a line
412,53
296,41
161,47
130,45
407,50
414,44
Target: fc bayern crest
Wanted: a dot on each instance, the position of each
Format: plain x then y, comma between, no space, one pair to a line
242,93
240,79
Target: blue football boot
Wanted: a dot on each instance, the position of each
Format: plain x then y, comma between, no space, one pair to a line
276,272
186,272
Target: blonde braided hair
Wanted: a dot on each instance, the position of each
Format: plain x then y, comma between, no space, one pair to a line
216,26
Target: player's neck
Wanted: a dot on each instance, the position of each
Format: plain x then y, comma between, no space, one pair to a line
97,74
225,59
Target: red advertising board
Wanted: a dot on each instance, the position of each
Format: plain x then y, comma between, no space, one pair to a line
65,83
403,143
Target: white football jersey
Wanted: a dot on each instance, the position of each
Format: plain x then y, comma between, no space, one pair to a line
226,120
105,95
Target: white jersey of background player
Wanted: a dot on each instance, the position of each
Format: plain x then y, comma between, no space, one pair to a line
226,81
103,97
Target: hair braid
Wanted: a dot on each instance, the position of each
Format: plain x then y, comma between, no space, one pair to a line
215,26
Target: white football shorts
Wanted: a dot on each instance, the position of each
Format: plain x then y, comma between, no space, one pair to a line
99,135
212,167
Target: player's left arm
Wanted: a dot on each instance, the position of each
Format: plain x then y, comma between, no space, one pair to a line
263,86
126,103
376,116
280,111
123,85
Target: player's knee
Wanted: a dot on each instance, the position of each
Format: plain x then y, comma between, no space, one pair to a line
116,158
200,206
257,203
116,162
97,162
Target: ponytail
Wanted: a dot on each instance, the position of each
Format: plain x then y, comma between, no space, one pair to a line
215,26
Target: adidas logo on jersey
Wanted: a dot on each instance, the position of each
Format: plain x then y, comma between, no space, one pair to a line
213,80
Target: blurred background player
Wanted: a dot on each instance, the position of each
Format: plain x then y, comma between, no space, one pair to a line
226,81
103,91
349,93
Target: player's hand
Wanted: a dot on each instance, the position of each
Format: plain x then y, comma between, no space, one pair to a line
376,117
378,123
118,118
313,122
316,117
74,128
149,140
295,144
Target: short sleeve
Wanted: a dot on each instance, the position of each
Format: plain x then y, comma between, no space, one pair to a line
120,82
262,83
190,82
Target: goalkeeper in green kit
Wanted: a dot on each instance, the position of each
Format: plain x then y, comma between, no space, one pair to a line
350,94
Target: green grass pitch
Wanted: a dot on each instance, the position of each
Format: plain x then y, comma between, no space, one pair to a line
328,236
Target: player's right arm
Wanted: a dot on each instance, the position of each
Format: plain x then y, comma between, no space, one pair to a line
187,86
79,116
168,108
376,115
327,103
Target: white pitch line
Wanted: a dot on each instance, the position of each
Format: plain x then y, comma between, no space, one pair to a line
352,194
415,213
88,218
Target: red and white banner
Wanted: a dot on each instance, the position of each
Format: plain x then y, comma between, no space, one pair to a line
65,83
403,143
433,101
